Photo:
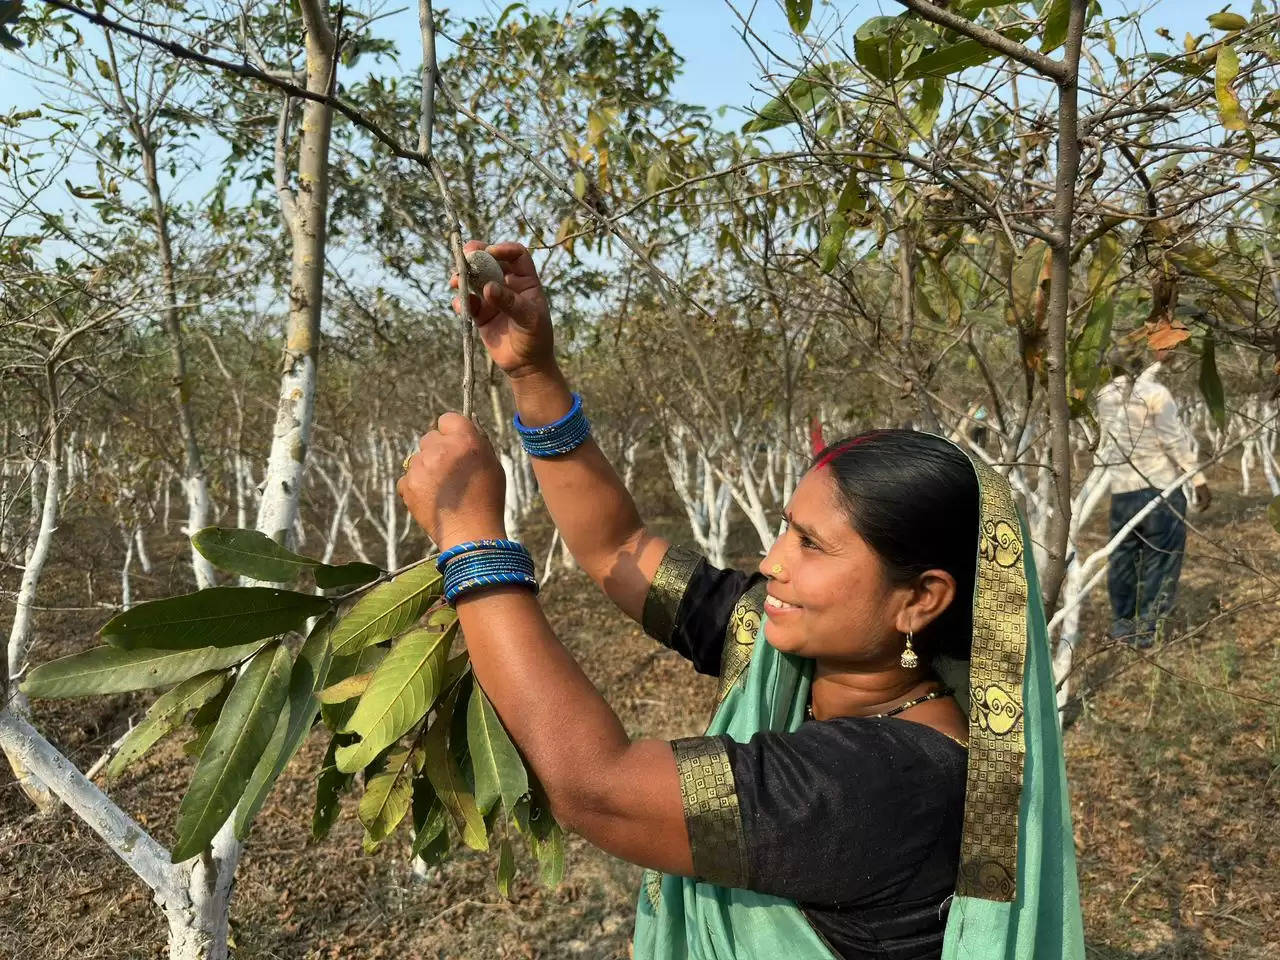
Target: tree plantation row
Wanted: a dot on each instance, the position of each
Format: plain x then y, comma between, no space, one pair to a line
224,309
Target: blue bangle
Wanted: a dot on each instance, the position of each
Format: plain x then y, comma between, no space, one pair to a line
490,580
477,564
468,546
557,438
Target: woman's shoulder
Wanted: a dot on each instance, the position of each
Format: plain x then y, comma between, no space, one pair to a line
898,740
885,748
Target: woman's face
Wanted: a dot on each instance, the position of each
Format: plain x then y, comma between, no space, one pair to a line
828,596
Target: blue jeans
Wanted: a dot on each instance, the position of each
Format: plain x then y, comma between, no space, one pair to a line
1142,573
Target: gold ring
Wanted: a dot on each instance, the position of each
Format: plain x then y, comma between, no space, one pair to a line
408,460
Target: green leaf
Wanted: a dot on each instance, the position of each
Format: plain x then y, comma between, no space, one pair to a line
958,56
499,769
798,13
401,691
852,196
112,670
1226,69
506,868
430,820
1227,21
345,574
446,777
336,715
215,617
104,68
165,716
550,854
387,609
546,839
800,98
387,795
830,246
1273,514
1211,383
579,184
308,670
330,785
262,777
1086,352
243,732
250,554
927,106
1055,25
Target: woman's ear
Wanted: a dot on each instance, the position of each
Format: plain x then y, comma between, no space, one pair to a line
931,594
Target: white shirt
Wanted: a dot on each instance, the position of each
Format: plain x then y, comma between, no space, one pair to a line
1143,441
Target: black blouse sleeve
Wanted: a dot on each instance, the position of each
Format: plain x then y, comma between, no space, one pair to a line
690,604
851,811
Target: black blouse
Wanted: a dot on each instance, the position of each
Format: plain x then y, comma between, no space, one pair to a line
856,819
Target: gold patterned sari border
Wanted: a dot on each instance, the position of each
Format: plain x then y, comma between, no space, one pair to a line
711,812
666,591
993,793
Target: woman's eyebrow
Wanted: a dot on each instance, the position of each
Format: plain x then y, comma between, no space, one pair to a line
800,527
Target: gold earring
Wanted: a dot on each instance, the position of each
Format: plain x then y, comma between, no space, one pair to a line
909,660
777,569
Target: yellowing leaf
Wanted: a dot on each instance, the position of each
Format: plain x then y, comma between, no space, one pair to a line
1227,21
447,779
347,689
388,794
1226,70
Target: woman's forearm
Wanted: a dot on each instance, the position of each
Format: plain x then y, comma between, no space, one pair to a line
622,796
564,728
594,512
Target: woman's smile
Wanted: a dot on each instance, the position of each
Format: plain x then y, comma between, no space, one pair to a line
778,607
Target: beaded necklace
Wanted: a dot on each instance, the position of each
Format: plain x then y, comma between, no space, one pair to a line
931,695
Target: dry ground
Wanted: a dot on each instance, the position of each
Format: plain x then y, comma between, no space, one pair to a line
1175,779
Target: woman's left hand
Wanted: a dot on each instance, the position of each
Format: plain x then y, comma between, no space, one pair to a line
455,486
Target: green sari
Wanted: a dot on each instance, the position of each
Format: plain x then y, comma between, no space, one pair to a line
1016,894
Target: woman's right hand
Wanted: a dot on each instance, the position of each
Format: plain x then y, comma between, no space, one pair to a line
512,317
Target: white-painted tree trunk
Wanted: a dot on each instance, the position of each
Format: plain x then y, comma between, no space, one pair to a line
704,496
511,499
21,632
126,586
1096,486
144,558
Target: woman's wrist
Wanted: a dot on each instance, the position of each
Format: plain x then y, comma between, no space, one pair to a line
542,396
463,529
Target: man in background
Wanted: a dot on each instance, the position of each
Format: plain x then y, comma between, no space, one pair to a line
1147,448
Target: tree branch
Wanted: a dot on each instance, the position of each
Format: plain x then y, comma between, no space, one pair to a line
1053,69
137,848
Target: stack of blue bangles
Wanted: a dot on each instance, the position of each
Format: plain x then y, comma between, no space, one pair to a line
478,564
558,438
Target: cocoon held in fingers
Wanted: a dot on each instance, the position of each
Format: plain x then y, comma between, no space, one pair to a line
482,268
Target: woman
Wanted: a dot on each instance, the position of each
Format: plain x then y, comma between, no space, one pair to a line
843,785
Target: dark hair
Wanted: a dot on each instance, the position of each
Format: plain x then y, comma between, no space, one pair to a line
1129,359
914,498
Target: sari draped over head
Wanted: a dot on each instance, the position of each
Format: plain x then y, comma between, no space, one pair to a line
1016,894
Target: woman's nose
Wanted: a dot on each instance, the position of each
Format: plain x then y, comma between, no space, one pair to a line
771,565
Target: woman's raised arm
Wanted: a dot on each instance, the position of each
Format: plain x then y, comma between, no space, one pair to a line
594,512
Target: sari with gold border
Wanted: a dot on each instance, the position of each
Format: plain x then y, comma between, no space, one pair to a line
1016,894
